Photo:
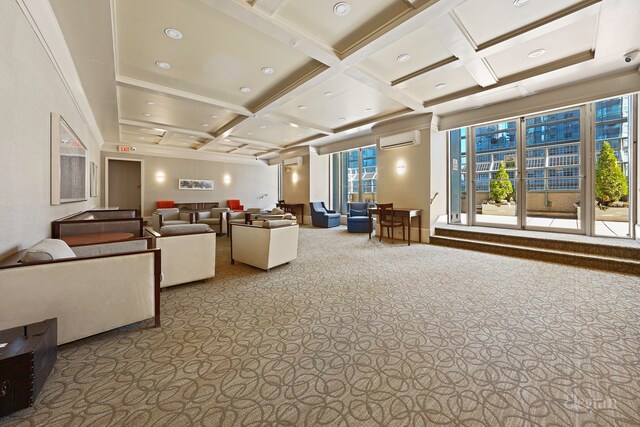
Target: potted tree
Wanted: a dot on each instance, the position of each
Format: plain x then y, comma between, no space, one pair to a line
611,187
499,189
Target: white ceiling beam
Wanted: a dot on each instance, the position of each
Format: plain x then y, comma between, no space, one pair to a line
248,141
379,84
268,7
165,139
223,132
131,82
146,124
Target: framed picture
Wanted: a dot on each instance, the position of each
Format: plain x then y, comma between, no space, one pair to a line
93,180
68,163
195,184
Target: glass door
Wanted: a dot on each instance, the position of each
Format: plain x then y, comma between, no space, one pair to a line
495,170
554,171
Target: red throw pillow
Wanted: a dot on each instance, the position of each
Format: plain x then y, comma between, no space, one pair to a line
164,204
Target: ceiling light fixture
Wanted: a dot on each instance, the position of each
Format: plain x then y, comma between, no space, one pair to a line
267,70
173,33
302,107
146,114
204,125
191,136
328,94
150,103
441,86
163,65
342,119
537,53
249,133
341,8
520,3
294,125
245,89
368,109
403,57
214,117
263,126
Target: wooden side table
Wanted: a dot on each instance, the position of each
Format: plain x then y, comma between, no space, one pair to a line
27,356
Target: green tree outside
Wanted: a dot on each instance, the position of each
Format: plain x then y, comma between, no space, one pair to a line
611,184
500,187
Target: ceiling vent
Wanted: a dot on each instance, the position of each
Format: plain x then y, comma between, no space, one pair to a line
399,140
294,161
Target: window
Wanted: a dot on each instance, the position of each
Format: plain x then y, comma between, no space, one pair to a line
355,177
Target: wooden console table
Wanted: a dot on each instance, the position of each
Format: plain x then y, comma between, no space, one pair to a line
92,239
400,213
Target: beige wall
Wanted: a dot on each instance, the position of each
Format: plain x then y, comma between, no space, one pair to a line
30,91
319,182
410,189
307,182
248,182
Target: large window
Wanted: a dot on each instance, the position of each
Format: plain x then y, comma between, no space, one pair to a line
355,176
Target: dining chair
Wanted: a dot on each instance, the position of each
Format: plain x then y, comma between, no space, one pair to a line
387,219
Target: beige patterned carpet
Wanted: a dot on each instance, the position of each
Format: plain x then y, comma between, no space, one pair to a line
362,333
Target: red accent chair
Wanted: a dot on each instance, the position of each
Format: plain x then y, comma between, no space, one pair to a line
235,205
165,204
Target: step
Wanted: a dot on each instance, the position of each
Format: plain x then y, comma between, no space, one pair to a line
598,262
586,248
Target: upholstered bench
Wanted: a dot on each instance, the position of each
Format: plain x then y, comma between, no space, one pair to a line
273,243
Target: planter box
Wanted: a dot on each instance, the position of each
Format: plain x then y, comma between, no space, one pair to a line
504,210
611,214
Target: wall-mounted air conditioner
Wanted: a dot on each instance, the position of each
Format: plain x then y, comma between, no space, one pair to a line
294,161
399,140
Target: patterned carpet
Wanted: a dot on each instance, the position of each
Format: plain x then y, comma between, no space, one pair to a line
363,333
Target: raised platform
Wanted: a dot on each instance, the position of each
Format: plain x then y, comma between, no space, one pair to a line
611,254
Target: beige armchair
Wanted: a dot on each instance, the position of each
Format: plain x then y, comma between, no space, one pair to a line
170,216
266,246
216,218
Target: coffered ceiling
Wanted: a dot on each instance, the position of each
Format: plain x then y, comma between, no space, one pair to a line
241,79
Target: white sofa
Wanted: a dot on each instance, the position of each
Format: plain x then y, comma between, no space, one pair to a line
216,218
170,216
188,253
265,246
93,289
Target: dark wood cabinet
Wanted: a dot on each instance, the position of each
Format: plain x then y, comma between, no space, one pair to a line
27,356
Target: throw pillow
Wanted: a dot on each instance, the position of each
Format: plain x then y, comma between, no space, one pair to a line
47,250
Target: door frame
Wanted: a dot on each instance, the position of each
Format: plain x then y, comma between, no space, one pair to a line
106,180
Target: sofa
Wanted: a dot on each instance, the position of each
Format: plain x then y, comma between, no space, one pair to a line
322,217
90,289
170,216
273,243
216,218
188,253
358,218
98,221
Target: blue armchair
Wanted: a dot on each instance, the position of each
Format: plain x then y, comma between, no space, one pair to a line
358,217
321,217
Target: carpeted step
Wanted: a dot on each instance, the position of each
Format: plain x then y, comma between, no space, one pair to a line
599,262
585,248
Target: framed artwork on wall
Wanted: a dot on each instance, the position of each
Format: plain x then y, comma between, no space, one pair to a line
68,163
195,184
93,180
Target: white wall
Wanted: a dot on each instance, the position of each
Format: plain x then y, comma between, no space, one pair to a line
438,142
248,182
30,91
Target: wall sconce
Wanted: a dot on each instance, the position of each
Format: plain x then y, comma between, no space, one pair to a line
294,177
401,167
226,179
160,177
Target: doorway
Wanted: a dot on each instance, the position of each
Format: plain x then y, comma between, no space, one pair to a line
124,183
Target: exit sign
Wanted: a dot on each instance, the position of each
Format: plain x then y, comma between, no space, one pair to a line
125,148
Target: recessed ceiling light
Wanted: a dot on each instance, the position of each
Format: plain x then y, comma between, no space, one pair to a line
441,86
142,137
263,126
537,53
520,3
294,125
403,57
150,103
341,8
185,143
146,114
214,116
267,70
163,65
342,119
204,125
249,133
245,89
145,129
302,107
368,109
173,33
327,94
191,136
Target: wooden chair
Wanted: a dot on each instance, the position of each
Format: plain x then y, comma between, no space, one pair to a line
387,220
